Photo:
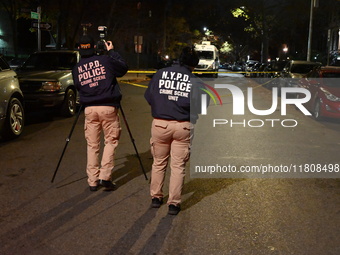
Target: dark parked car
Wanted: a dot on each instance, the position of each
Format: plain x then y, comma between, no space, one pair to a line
274,69
272,72
11,103
250,64
323,84
46,80
14,63
260,70
255,70
237,66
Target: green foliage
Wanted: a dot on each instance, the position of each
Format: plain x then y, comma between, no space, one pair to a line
178,36
240,12
226,48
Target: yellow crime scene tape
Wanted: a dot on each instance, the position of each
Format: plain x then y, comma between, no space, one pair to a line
135,71
133,84
152,72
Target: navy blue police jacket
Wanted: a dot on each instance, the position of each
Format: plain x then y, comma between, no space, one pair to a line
95,79
174,94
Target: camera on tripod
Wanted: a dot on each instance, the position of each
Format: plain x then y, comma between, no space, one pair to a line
101,47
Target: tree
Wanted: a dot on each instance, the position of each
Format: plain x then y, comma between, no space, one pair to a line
261,20
13,9
67,17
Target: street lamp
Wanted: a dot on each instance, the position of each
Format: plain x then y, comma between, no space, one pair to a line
285,50
206,33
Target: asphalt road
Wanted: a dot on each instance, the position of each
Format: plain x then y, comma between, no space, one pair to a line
220,214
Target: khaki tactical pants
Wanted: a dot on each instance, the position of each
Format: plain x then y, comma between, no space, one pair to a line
169,138
97,119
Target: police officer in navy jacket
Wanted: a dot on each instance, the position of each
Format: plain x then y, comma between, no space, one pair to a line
95,79
173,94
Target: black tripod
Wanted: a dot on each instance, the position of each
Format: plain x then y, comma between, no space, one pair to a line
69,138
133,141
67,141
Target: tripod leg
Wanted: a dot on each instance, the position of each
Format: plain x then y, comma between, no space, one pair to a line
133,142
67,140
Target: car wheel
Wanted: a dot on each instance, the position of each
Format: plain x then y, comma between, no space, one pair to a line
14,123
317,110
68,108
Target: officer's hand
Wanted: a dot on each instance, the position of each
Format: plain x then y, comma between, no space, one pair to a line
109,45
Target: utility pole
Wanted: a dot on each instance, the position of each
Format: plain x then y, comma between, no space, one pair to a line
39,30
138,40
313,3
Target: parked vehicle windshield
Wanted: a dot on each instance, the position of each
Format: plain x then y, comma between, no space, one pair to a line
50,61
279,65
301,68
205,54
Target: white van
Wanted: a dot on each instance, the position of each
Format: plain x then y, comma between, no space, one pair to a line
208,58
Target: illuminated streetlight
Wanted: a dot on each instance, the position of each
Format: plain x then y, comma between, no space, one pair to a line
285,50
207,32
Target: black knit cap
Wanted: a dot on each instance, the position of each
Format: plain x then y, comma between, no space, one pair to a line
86,46
189,57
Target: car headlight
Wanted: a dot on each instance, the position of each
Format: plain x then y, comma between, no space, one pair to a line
51,86
330,96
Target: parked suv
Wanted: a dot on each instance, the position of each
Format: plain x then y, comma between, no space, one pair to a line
46,80
294,70
11,103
